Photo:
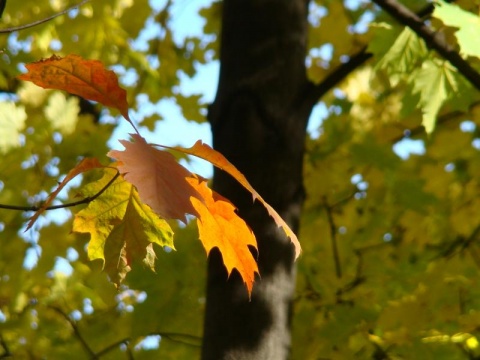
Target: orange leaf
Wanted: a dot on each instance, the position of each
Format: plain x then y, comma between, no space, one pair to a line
86,78
83,166
220,226
205,152
160,180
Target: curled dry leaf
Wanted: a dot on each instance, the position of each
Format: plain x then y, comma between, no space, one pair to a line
83,166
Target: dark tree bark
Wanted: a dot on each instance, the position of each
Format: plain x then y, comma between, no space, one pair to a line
259,120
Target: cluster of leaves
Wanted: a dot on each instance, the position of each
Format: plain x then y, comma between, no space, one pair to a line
400,232
390,244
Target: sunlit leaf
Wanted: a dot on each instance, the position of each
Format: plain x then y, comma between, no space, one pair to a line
468,25
121,226
219,226
86,78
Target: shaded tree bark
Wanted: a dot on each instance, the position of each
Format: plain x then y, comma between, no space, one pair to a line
259,120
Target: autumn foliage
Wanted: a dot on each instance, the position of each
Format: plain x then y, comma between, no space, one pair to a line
121,229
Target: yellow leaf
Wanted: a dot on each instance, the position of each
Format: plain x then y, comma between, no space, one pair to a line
121,226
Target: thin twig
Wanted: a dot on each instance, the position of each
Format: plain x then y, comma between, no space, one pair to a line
112,347
170,336
434,40
38,22
6,349
76,331
333,238
62,206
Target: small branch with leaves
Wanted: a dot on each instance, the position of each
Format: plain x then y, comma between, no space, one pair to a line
433,39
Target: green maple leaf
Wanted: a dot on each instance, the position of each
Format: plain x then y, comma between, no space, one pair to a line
123,229
468,25
406,53
436,82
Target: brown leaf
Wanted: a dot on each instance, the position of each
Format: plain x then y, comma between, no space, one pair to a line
161,182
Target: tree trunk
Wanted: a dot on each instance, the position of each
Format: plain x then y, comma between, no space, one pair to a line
259,120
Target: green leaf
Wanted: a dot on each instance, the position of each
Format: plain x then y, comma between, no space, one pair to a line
436,82
468,25
404,56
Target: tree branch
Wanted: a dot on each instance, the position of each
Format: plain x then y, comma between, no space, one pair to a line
433,39
63,206
38,22
315,92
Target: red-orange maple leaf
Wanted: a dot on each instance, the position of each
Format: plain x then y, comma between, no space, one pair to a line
86,78
220,226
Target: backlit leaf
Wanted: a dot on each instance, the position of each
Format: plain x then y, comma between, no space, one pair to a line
86,78
436,82
406,53
468,25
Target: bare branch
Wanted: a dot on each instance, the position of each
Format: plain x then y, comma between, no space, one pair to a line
63,206
38,22
433,39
